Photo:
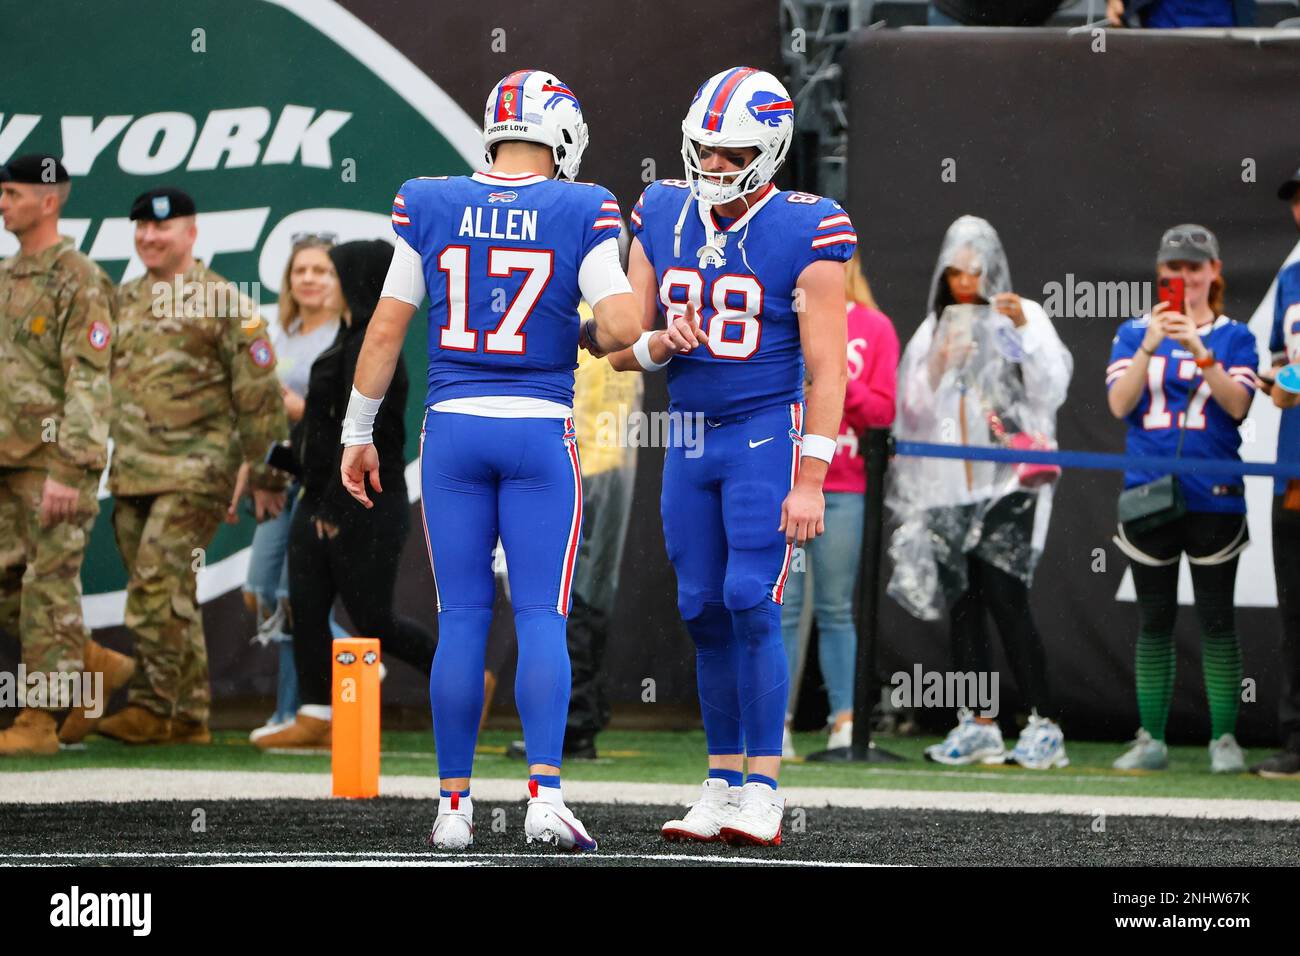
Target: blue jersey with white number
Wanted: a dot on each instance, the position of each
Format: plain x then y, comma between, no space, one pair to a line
1284,343
501,257
753,358
1175,393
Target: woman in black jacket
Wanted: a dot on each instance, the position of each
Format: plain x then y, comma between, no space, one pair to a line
336,547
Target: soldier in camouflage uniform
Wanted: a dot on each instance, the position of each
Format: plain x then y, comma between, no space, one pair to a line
194,394
56,328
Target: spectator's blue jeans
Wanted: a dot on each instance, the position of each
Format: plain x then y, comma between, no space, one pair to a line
836,555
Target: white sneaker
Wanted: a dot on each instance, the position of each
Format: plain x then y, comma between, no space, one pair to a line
757,821
787,744
841,736
1146,753
970,741
1041,745
1226,755
453,829
550,821
706,816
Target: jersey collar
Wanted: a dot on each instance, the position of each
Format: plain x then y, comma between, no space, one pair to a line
740,223
516,179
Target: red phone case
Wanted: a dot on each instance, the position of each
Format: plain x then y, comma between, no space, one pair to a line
1170,289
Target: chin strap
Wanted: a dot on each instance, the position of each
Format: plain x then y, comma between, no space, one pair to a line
711,253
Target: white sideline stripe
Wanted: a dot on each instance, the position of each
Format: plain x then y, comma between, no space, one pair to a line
121,786
382,858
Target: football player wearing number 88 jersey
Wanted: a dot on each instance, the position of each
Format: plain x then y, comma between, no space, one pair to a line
759,275
504,257
1184,379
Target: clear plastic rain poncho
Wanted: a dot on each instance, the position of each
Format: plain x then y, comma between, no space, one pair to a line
970,377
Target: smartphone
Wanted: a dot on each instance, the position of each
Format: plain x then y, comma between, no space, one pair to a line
1170,290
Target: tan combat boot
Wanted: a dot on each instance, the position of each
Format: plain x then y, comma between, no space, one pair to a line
34,732
134,724
117,670
187,731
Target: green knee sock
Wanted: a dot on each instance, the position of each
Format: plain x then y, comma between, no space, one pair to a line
1155,680
1221,663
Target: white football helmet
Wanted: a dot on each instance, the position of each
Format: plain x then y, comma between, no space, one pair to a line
737,107
533,105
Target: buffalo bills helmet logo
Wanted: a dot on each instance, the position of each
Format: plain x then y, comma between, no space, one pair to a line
770,108
505,195
559,93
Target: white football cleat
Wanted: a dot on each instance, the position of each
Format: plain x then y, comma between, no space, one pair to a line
707,816
453,829
758,818
550,821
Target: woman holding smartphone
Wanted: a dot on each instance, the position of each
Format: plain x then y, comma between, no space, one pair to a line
1183,378
985,368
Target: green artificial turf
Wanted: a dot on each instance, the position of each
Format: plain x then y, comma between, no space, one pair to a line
678,757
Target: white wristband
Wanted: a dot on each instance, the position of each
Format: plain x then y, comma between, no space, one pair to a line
819,446
359,421
641,351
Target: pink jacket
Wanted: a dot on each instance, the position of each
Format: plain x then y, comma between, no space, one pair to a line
869,399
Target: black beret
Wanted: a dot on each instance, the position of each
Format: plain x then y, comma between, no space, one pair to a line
166,202
34,168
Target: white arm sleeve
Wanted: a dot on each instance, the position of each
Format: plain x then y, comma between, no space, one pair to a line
405,279
600,273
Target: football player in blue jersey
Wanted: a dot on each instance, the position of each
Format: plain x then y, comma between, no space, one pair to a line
1183,379
760,274
504,257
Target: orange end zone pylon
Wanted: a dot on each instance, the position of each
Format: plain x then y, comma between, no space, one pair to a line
355,752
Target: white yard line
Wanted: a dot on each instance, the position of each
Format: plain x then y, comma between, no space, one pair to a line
120,786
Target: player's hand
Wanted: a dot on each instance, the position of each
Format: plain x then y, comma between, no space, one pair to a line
587,338
802,514
241,489
267,504
58,503
359,463
683,332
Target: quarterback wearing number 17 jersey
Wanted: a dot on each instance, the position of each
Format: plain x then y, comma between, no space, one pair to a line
1177,399
501,257
505,260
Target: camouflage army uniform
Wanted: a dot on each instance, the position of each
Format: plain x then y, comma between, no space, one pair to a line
194,393
56,329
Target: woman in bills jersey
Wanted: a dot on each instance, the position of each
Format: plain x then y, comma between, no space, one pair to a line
1183,379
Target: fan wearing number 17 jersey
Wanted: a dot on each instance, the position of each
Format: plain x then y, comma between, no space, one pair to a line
1176,404
763,271
504,257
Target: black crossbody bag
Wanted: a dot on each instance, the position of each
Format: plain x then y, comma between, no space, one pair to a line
1156,503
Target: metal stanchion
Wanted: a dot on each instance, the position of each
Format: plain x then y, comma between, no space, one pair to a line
865,687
